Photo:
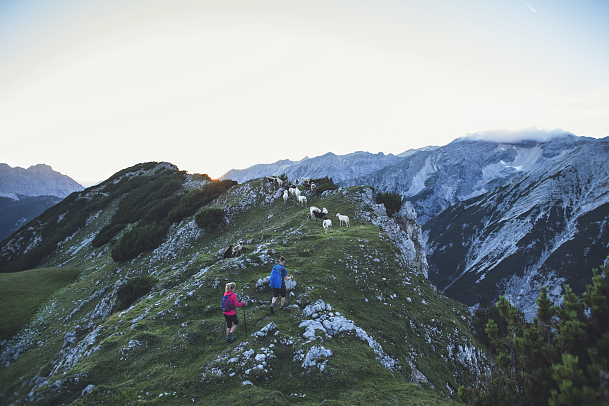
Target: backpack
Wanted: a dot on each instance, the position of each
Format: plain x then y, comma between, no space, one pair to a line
226,307
276,277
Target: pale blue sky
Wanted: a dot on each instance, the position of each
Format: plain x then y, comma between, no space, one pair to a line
91,87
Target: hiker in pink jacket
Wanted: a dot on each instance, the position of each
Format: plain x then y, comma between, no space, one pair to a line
229,308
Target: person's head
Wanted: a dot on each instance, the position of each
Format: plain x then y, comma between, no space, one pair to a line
282,260
230,287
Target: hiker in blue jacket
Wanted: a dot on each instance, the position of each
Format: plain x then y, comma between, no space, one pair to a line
279,275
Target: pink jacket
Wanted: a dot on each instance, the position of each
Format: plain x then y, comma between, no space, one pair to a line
233,303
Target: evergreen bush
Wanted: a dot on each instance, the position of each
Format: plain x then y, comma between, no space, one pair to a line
134,289
138,240
193,201
561,358
324,184
391,200
106,234
481,317
125,171
209,218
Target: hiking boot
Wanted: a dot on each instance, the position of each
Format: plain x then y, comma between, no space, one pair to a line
282,308
229,339
272,310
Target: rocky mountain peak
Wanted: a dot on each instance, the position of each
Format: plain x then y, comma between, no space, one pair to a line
37,180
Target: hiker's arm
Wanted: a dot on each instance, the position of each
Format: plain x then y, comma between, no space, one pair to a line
236,302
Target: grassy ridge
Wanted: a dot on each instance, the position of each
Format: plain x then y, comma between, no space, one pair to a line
22,293
169,347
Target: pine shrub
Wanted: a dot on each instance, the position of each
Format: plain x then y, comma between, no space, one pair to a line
209,218
134,289
561,358
391,200
324,184
138,240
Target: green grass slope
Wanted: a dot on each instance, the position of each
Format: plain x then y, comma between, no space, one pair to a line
361,327
22,293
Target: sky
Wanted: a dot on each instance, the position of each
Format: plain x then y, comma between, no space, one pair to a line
91,87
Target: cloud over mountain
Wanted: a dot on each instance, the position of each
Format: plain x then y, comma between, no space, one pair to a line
523,134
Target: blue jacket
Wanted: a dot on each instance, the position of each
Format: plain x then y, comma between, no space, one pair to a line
278,275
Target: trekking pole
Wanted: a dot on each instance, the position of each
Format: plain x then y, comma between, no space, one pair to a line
245,320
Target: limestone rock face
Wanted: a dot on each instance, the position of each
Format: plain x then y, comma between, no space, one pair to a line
435,179
403,230
547,226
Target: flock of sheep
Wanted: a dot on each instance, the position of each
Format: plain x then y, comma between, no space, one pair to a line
314,212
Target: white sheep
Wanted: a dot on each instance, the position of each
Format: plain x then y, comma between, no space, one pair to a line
312,209
327,224
342,219
302,201
237,248
285,196
297,192
324,210
291,190
305,180
273,179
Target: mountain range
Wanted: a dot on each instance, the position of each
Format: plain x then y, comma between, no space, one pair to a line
547,225
439,182
379,310
37,180
26,193
338,167
562,227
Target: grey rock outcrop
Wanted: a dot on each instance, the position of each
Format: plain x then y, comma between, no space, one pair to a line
403,230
